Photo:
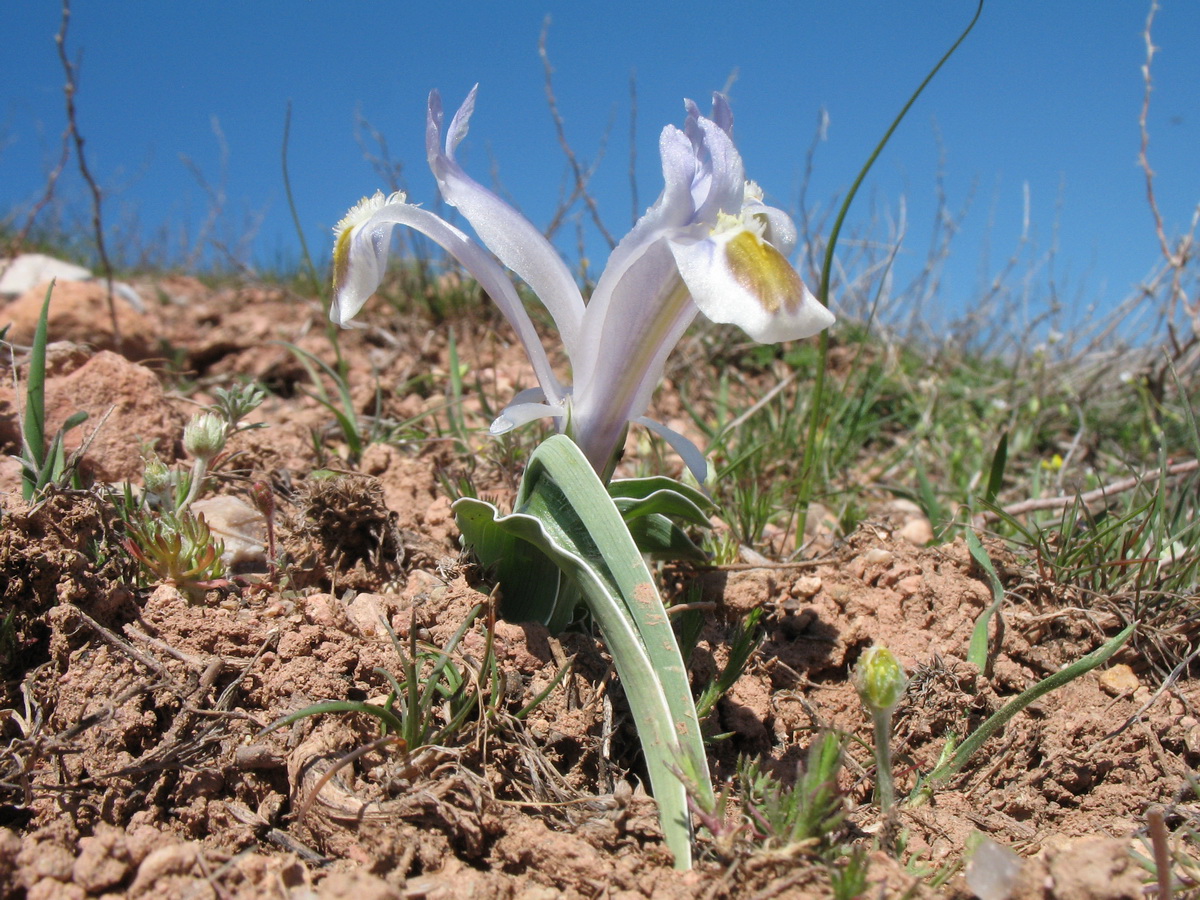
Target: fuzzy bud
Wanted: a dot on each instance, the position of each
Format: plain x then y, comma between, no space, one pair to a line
156,475
204,436
879,679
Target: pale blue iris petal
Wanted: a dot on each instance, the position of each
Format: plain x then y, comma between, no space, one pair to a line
727,176
529,395
722,114
514,240
368,258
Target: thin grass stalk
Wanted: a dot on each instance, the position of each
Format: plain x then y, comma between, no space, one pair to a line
815,432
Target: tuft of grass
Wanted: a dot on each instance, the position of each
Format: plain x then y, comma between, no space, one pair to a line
432,696
43,463
757,813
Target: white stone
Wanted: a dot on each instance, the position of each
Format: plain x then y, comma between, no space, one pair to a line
31,269
993,870
240,526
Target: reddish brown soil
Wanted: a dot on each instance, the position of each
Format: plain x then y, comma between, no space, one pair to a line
134,762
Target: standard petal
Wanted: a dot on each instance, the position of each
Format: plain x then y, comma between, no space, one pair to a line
726,176
722,113
736,277
514,240
672,211
360,259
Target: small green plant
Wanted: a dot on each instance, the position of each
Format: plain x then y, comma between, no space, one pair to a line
809,812
342,408
431,698
848,877
747,637
42,463
757,813
173,544
178,549
880,682
978,652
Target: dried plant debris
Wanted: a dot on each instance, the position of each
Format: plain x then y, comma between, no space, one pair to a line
64,548
341,535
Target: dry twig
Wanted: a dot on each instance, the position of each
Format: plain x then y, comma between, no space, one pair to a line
581,176
70,70
1092,496
1176,258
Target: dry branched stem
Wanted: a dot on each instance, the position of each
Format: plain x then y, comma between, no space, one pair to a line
581,176
1092,496
70,70
1176,258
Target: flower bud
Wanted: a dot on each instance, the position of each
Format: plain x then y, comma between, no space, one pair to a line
156,475
204,436
879,679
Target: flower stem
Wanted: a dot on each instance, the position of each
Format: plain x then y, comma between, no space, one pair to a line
882,719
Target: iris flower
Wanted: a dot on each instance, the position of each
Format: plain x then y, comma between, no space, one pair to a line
708,245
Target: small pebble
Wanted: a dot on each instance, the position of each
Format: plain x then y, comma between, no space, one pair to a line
993,871
806,586
877,556
1119,681
917,531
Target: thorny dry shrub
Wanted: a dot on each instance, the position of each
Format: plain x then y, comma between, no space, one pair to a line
342,536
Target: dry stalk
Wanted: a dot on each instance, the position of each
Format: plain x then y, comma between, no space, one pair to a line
1092,496
1157,826
1176,257
581,176
70,70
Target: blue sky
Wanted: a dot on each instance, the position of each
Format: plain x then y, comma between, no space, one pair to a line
1043,94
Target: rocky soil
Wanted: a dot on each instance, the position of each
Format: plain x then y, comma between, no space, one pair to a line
134,760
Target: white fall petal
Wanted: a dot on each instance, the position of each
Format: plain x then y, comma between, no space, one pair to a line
737,278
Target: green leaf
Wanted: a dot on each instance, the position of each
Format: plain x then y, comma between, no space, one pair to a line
565,511
35,400
977,651
996,474
666,503
952,762
928,498
532,586
648,506
386,717
642,488
346,415
660,538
